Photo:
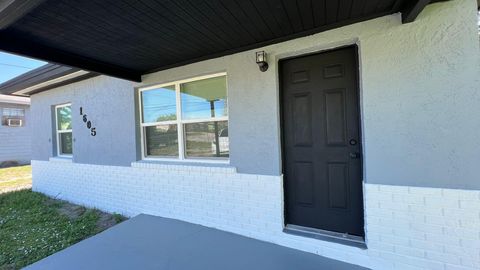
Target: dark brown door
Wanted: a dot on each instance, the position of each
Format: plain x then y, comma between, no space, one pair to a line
321,141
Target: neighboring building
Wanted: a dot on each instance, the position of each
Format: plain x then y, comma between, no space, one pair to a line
15,131
359,143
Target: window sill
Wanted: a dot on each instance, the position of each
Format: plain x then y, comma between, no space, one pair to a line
190,166
61,159
204,161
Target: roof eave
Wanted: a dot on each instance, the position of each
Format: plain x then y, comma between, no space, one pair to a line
43,78
14,100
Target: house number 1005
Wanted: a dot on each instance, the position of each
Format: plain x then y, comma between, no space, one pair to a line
93,131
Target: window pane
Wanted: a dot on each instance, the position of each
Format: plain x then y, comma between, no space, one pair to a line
161,140
64,118
13,112
204,99
208,139
66,146
159,104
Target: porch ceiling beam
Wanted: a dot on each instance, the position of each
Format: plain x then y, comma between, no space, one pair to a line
17,45
12,10
411,11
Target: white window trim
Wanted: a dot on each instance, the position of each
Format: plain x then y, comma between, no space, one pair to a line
58,132
179,122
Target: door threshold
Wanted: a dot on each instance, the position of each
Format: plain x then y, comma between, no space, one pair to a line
335,237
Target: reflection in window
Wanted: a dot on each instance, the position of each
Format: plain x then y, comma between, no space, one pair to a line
204,99
201,129
159,104
63,118
66,143
207,139
162,140
13,112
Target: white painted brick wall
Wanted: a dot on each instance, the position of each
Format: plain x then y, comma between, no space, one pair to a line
424,227
406,227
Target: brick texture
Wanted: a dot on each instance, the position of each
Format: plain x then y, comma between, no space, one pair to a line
406,227
424,228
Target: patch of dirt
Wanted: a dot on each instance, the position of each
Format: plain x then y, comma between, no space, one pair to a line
105,221
72,211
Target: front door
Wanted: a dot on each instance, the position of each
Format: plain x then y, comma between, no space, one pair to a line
321,141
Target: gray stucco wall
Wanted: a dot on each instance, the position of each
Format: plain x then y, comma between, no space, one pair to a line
15,142
419,101
108,103
252,109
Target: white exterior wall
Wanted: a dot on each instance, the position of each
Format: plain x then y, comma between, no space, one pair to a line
420,121
406,227
16,142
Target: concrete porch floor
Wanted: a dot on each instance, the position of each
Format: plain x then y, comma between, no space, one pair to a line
150,242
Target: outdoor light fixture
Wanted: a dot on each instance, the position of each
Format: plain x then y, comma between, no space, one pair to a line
261,58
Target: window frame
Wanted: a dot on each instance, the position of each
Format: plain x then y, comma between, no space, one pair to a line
181,157
58,132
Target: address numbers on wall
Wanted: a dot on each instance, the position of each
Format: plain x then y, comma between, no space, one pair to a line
93,131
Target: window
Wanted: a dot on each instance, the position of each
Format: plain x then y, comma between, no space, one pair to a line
63,116
13,117
13,112
186,119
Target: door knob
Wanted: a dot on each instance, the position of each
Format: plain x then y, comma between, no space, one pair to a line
354,155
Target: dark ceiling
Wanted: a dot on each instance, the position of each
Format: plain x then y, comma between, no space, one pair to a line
129,38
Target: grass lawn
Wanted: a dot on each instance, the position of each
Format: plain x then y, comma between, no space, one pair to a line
33,226
15,178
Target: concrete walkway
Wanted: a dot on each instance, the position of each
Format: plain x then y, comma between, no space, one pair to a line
149,242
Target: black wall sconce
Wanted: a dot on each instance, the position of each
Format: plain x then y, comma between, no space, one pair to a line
261,59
